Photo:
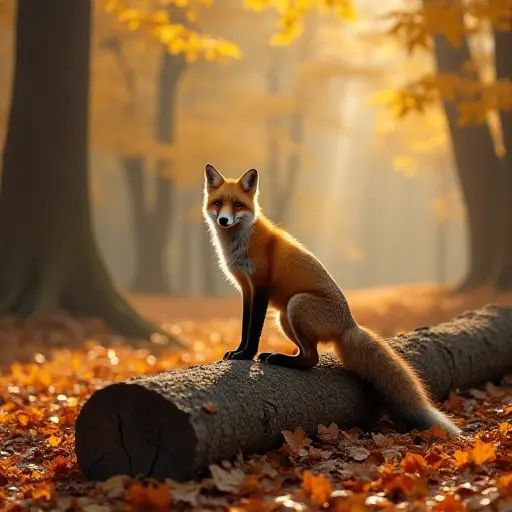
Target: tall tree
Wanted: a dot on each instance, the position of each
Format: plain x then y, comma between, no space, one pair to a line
49,259
151,220
478,170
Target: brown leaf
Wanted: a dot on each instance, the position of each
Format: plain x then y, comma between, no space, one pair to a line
453,404
330,434
115,486
318,487
297,441
227,480
358,453
381,440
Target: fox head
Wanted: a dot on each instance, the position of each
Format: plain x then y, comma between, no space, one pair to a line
230,202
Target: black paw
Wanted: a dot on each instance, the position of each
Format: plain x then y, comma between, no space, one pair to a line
240,356
267,357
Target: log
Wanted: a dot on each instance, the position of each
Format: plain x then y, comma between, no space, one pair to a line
176,423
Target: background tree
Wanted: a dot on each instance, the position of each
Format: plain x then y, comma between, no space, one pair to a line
49,258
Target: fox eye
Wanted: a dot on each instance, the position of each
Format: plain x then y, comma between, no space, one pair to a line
238,205
218,202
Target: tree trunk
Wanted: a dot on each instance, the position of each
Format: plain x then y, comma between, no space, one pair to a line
273,124
157,425
478,171
48,255
151,223
290,181
503,271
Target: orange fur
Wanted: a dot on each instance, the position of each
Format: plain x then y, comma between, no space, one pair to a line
256,255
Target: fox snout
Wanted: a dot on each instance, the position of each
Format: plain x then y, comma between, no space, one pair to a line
225,220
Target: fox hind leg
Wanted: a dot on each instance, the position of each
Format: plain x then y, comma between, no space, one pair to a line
308,320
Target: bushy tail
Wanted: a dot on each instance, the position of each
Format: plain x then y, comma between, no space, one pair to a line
371,357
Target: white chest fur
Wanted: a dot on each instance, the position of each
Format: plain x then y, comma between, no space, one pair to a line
234,252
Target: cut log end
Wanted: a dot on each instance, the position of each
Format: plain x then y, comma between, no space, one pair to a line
129,429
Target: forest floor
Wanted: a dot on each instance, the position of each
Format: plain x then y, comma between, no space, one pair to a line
50,368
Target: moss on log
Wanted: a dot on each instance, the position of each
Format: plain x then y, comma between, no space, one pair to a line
157,425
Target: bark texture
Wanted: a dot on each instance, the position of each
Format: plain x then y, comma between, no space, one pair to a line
156,425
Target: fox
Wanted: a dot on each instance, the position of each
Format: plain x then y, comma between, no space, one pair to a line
272,269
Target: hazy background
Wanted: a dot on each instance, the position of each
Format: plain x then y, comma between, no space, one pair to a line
374,198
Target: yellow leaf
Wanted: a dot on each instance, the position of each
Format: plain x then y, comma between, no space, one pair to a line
54,440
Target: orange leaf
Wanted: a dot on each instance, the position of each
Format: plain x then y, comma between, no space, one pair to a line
413,462
449,503
505,485
317,486
137,495
42,492
22,418
159,496
437,432
508,411
209,407
461,458
482,452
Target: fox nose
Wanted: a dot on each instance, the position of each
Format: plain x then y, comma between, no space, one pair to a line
223,221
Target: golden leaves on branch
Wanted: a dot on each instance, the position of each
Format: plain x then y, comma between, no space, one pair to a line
475,100
441,17
291,14
176,36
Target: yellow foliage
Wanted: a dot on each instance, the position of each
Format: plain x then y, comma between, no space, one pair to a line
177,37
292,12
452,19
475,99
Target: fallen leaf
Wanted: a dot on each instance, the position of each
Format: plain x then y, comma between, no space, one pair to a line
137,495
186,492
209,407
349,503
453,404
96,507
42,492
448,503
115,486
297,441
482,452
329,434
227,480
413,462
318,487
505,485
250,484
437,432
54,440
381,440
477,393
160,496
358,453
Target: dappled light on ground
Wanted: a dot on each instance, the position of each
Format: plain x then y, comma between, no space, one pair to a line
65,360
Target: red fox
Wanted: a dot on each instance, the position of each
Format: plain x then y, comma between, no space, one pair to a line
270,268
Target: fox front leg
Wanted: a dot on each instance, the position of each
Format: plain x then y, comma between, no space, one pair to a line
239,353
252,326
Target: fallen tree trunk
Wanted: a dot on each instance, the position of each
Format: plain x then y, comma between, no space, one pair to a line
176,423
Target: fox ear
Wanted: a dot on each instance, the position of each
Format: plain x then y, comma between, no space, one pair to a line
214,178
249,181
